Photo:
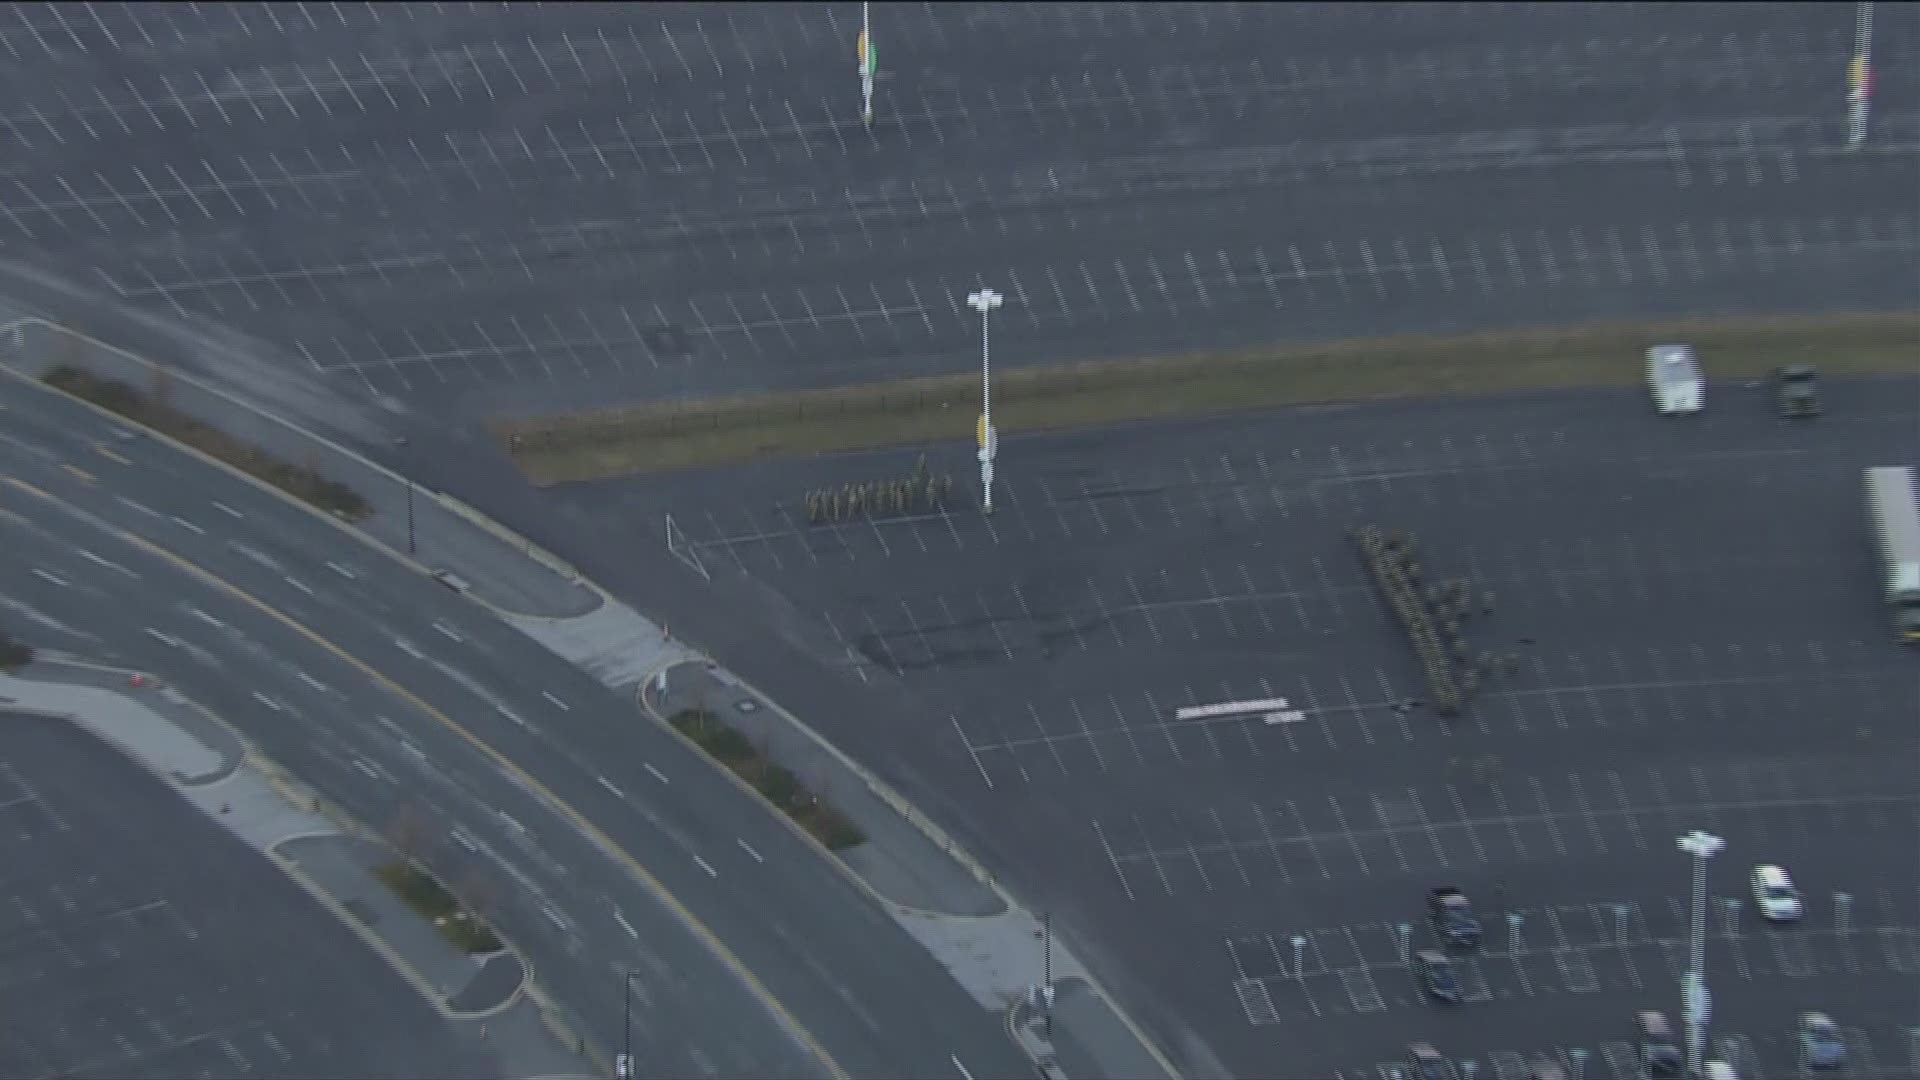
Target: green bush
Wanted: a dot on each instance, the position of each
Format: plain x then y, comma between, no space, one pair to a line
14,655
302,482
418,890
775,783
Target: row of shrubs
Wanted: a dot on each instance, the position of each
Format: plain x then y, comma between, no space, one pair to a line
151,409
775,782
14,655
919,490
1432,615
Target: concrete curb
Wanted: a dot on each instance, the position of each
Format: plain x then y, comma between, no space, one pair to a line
913,817
447,502
647,707
874,784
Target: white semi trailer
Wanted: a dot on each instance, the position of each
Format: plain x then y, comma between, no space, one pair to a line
1893,515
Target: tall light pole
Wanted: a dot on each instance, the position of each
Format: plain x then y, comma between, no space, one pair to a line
1697,1003
985,301
1860,76
623,1068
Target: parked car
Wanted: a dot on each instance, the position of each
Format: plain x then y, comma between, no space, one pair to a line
1427,1062
1774,894
1437,976
1659,1051
1452,917
1674,378
1796,391
1821,1046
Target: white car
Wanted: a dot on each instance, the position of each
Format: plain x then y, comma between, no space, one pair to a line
1773,891
1675,380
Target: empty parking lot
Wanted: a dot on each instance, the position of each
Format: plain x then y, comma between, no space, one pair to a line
523,208
1696,642
142,940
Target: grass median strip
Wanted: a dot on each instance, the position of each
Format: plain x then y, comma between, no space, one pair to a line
150,409
775,782
659,438
428,898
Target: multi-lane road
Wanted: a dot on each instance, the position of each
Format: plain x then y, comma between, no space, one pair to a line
393,696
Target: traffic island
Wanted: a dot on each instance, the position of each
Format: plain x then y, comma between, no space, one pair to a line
775,782
431,901
150,409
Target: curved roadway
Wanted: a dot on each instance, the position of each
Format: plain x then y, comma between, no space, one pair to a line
385,691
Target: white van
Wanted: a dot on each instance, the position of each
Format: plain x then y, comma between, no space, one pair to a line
1675,380
1717,1070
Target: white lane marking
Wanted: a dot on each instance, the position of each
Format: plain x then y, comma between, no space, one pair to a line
365,768
413,750
711,872
403,646
296,583
161,638
188,525
341,570
147,510
511,715
108,563
460,837
228,510
554,916
625,925
267,701
657,774
744,846
510,820
608,784
443,628
53,578
205,618
564,707
965,1075
311,681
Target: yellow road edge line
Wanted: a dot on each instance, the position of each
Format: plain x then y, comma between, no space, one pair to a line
573,816
110,454
80,472
30,489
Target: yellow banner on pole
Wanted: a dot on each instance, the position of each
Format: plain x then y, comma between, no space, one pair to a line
980,431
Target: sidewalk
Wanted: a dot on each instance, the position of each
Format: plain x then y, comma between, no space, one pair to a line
934,890
211,768
505,572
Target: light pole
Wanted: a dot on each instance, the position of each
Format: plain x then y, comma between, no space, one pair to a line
624,1067
985,301
1860,76
1697,1002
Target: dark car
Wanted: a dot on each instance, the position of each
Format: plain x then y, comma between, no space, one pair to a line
1820,1043
1452,917
1436,975
1796,390
1658,1050
1427,1062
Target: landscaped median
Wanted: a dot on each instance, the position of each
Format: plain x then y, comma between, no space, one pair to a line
150,409
657,438
427,897
775,783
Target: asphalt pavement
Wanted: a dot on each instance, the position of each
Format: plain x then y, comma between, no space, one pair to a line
1697,638
873,997
496,209
143,940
